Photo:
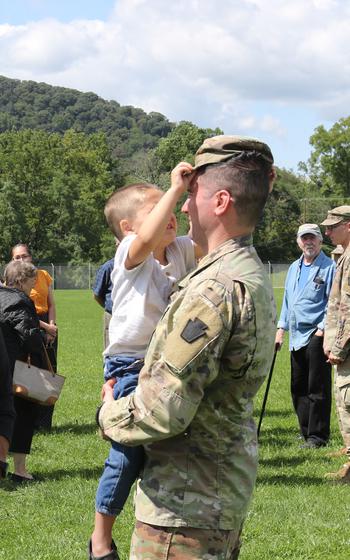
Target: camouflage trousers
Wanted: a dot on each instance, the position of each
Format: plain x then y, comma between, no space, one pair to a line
151,542
342,400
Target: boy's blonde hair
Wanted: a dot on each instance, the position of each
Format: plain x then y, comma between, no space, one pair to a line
123,204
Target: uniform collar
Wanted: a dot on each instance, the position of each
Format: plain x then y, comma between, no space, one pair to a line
346,253
228,246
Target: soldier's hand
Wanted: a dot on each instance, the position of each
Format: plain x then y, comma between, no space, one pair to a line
108,393
334,360
109,383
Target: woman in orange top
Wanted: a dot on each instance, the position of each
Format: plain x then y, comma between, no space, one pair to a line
42,297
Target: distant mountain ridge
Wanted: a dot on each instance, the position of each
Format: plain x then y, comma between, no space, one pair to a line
29,104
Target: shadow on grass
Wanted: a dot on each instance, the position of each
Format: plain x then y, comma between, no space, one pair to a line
275,413
285,461
290,480
74,428
55,475
83,473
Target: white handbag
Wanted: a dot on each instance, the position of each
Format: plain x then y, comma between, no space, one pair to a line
37,384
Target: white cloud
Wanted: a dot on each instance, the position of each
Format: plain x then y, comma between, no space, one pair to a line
198,60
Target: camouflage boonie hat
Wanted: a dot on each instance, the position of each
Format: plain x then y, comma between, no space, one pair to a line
222,148
337,215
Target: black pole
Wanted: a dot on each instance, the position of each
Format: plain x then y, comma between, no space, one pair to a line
277,348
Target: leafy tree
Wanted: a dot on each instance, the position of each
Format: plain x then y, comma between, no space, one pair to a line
181,144
275,235
329,164
52,193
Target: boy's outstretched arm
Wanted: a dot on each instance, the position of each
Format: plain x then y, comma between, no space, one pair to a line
151,231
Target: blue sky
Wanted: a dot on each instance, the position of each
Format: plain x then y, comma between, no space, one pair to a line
23,11
273,70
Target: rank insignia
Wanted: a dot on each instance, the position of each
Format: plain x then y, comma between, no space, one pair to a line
193,330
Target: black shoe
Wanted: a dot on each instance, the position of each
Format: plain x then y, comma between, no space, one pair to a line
313,444
113,555
18,479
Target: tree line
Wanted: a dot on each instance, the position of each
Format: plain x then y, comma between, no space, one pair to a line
54,180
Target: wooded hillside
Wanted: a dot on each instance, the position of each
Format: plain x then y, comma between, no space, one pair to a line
28,104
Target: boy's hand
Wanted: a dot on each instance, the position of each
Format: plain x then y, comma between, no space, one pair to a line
106,387
181,176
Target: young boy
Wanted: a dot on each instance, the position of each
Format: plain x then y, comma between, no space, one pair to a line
148,262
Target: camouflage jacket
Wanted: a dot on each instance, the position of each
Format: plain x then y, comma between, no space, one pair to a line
337,329
193,406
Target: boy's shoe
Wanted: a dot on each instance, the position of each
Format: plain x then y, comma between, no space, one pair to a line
338,453
343,475
113,555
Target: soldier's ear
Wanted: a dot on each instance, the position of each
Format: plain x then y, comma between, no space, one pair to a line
223,201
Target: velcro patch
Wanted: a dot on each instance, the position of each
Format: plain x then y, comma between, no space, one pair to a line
193,330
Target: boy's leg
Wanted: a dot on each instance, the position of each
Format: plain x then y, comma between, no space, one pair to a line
121,467
101,538
120,472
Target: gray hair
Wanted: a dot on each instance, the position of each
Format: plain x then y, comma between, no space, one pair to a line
17,272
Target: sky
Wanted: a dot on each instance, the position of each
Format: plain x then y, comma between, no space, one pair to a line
273,69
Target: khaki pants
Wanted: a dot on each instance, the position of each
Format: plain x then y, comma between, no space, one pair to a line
342,400
150,542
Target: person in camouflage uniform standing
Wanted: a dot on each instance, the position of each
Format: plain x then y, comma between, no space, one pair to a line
337,330
192,409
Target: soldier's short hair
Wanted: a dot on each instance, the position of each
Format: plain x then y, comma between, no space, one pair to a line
17,272
247,178
124,202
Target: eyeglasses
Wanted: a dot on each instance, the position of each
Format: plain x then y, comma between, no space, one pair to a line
21,257
331,228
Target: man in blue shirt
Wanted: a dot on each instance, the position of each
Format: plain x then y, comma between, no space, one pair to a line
102,294
307,288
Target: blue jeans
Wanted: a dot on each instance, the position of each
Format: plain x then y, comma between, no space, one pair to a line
123,463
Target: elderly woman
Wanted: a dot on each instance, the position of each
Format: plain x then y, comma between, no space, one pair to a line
7,412
43,299
21,332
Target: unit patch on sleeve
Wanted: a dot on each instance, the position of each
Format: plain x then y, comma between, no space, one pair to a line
193,330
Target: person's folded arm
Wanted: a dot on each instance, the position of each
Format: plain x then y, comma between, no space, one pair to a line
172,384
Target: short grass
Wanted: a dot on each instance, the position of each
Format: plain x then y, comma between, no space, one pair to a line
295,513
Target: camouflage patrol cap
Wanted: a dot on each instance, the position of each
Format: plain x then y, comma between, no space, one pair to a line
221,148
337,215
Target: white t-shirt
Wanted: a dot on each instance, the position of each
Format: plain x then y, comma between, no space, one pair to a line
140,295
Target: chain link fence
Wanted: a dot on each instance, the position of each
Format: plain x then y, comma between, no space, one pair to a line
82,277
314,210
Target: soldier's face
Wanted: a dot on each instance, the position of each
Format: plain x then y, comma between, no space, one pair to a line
310,245
198,207
339,233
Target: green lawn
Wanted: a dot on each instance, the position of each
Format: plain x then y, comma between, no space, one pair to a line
295,513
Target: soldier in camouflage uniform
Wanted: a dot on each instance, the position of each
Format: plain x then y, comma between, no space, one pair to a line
193,406
337,332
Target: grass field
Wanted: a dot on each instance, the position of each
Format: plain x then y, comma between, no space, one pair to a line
295,513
